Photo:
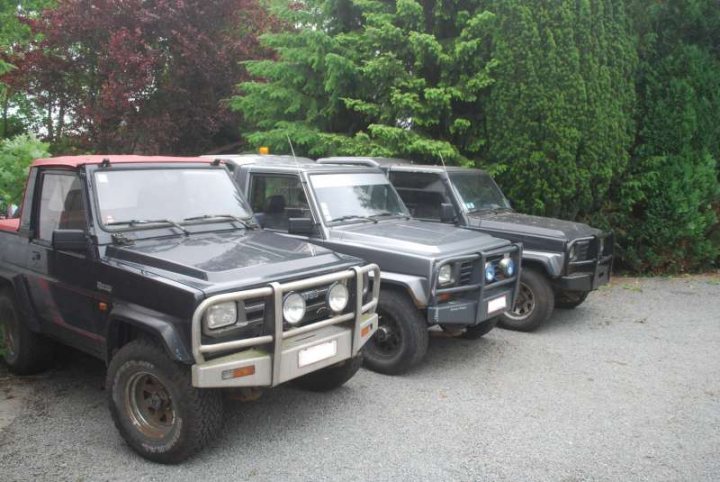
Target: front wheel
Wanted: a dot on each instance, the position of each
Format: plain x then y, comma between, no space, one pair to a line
401,340
331,377
570,299
155,407
534,303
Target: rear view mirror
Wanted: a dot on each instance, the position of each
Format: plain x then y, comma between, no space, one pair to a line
447,213
301,226
69,240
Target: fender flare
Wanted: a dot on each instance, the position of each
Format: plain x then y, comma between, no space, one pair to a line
19,288
552,263
413,285
164,327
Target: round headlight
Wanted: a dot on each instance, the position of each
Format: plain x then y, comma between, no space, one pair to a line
508,267
489,272
445,275
221,315
337,297
293,308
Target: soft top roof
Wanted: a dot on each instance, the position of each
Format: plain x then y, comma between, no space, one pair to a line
75,161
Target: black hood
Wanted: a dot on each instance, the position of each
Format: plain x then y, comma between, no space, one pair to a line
217,262
535,232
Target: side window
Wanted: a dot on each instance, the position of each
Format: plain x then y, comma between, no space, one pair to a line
275,199
61,205
423,193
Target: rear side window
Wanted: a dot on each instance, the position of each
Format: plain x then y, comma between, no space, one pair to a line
61,205
275,199
423,193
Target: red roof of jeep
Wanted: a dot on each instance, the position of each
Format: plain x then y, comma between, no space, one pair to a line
75,161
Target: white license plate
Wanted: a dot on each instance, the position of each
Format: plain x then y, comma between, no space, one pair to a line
317,353
497,304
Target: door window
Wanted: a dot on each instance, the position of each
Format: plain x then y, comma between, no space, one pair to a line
423,193
275,199
61,205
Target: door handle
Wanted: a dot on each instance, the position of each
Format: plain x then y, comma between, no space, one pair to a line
35,256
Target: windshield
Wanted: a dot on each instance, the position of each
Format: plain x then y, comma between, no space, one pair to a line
478,192
130,198
348,197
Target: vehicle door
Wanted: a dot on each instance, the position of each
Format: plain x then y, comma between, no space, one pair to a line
62,282
275,198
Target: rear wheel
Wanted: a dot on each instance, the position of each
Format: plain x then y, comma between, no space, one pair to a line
155,407
534,303
570,299
25,352
401,340
331,377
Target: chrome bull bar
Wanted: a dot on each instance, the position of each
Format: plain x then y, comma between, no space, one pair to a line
205,372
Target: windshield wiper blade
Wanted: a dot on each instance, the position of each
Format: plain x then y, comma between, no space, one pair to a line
243,221
353,216
140,222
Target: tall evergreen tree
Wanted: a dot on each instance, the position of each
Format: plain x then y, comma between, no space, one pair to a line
399,78
560,111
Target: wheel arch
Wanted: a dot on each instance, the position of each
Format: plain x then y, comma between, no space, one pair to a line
127,323
410,285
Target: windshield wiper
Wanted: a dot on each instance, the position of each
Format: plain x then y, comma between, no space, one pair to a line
388,213
140,222
243,221
353,216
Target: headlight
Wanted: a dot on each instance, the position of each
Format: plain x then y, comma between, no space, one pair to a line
221,315
293,308
337,297
507,265
573,252
489,272
445,275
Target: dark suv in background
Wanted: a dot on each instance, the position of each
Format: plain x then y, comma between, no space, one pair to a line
562,260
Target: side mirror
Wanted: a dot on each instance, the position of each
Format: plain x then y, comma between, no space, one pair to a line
447,213
69,240
301,226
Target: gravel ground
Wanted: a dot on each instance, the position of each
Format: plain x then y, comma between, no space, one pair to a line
625,387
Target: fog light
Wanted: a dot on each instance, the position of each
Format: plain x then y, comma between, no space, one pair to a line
489,272
337,297
508,267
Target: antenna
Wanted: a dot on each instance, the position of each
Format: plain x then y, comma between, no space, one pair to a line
292,150
442,160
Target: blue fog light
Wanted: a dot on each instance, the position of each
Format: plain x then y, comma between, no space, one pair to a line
489,272
508,267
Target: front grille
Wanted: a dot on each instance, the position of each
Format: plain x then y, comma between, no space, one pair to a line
466,273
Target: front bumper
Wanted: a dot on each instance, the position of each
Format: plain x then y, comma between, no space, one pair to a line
270,360
589,274
474,303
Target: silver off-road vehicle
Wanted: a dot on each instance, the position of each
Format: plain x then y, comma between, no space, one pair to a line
455,278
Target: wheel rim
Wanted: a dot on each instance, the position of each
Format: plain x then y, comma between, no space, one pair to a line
387,340
149,405
524,304
8,325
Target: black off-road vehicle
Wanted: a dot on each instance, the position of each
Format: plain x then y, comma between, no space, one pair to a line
454,278
157,266
562,260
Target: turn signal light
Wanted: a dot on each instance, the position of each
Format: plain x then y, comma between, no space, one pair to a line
364,331
444,297
239,372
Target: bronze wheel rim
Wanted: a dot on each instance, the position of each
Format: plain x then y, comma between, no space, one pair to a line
524,304
149,405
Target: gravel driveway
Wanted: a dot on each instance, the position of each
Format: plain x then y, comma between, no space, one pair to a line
625,387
